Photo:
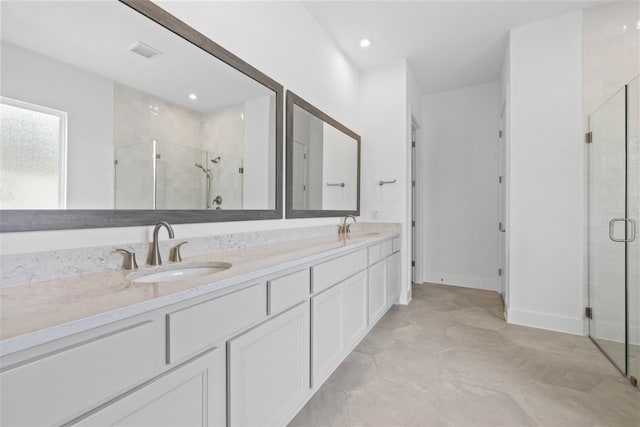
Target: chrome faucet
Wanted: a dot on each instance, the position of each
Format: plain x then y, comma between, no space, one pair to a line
154,252
344,228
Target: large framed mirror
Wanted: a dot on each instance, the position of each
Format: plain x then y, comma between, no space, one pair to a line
115,113
323,163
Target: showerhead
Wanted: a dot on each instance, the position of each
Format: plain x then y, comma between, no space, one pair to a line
216,160
205,170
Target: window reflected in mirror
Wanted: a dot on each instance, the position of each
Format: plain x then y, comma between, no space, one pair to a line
104,109
33,156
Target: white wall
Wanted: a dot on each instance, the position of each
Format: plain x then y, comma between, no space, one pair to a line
88,100
286,43
383,112
461,167
546,175
339,155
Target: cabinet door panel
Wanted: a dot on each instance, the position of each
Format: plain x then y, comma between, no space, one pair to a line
354,295
190,395
393,277
269,370
327,333
339,321
377,291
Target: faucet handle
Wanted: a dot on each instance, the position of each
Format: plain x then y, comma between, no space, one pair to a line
175,252
129,262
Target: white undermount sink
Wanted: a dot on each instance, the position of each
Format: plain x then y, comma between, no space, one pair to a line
178,272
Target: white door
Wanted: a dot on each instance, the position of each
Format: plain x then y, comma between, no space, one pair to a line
502,220
414,203
189,395
269,370
300,198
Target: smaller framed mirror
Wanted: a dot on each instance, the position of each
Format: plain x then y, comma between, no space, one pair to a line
323,163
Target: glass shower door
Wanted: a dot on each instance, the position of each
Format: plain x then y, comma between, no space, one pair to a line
607,229
633,213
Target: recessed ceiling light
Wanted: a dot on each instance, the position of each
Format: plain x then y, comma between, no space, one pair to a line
365,42
193,96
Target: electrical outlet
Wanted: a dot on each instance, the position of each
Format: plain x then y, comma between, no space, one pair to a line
375,214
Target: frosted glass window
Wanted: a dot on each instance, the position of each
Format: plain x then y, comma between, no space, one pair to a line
32,156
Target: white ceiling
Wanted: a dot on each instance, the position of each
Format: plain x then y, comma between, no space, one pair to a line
95,36
449,44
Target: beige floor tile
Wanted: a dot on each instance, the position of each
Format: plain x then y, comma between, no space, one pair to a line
618,402
430,319
448,359
377,340
593,357
328,407
560,371
357,370
426,290
479,318
539,339
393,319
385,403
554,407
471,405
478,337
417,337
416,369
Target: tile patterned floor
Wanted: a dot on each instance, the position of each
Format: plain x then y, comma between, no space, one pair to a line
449,359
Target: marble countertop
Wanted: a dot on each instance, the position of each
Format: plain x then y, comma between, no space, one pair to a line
36,313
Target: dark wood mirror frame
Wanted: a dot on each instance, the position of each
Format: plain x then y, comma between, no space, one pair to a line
293,99
34,220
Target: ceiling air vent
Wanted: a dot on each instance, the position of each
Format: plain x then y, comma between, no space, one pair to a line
144,49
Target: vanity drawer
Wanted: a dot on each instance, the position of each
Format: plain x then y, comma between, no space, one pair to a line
53,388
375,254
331,272
286,291
200,326
396,244
387,248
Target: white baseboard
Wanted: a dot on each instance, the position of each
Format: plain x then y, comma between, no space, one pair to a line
464,281
404,298
552,322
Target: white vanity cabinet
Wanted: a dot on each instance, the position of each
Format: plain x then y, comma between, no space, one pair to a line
249,355
192,394
268,370
339,321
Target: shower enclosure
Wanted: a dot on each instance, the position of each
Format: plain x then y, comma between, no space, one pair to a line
613,236
160,175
